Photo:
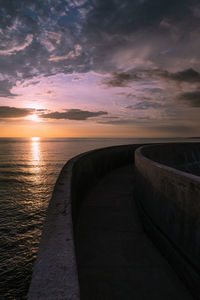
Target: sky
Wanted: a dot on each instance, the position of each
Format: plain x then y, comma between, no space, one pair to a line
99,68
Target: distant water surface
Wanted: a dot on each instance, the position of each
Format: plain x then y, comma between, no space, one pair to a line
28,171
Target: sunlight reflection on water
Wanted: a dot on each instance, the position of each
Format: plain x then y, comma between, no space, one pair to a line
35,145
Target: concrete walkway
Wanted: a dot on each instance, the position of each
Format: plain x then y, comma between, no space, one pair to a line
116,260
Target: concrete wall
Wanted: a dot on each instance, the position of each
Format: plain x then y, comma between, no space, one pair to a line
90,168
55,271
169,203
55,274
182,156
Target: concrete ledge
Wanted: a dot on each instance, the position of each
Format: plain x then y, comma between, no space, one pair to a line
55,274
169,202
182,156
55,270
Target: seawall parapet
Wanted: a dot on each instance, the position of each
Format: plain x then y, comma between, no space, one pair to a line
168,198
169,203
55,271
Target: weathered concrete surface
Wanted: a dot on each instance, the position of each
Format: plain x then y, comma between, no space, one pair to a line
130,262
89,168
169,201
115,258
55,269
181,156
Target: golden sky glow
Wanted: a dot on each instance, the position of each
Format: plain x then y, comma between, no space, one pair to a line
33,118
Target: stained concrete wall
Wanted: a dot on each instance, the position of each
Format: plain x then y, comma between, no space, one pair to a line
169,203
55,271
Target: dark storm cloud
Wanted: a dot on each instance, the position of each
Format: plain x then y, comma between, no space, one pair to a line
190,98
66,36
14,112
74,114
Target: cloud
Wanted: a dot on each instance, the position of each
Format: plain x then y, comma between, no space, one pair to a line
120,79
172,129
49,92
33,39
74,114
145,105
135,14
127,95
31,83
14,47
154,90
188,75
196,11
72,54
5,87
119,122
190,98
131,31
108,37
14,112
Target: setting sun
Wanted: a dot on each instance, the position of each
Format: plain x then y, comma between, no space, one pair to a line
33,118
35,139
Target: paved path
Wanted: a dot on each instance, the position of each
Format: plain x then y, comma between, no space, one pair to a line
116,260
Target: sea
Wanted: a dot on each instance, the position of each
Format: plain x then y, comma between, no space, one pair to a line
29,168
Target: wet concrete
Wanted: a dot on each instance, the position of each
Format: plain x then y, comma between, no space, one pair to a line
116,259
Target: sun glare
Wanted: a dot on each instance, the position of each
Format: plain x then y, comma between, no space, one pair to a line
35,139
33,118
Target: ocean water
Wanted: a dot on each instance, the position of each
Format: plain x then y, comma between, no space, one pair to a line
28,171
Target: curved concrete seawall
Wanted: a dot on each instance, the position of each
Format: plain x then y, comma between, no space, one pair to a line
169,203
55,271
168,198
